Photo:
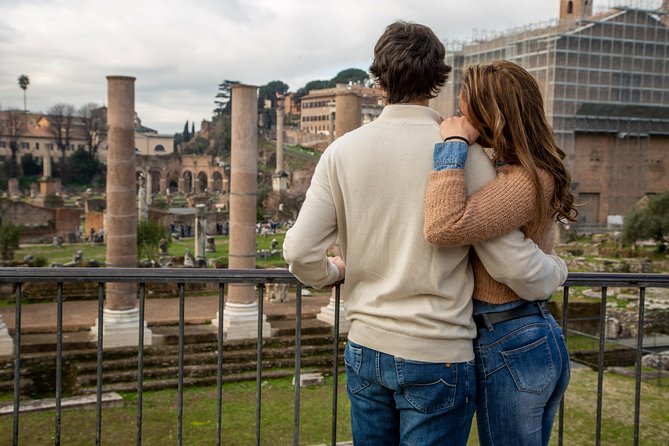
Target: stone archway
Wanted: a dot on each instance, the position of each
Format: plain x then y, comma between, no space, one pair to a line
217,182
155,181
188,182
201,182
172,182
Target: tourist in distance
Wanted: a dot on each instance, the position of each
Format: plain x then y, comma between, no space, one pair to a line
522,365
409,356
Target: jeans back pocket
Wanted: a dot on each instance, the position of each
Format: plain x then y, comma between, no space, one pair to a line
429,387
353,361
531,366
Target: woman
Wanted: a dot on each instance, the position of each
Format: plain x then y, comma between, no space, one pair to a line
522,365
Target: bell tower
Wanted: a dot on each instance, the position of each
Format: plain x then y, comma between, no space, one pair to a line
575,9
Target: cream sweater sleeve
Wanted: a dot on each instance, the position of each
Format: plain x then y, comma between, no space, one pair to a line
306,243
513,259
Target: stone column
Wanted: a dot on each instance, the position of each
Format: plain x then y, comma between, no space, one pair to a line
149,188
241,308
121,316
6,341
331,130
279,182
348,112
142,205
46,165
200,234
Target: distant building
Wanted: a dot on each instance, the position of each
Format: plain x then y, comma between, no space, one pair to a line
605,81
34,136
318,107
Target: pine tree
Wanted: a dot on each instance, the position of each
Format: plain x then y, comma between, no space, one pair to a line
186,133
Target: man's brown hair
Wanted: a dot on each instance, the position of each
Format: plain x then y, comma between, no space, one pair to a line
409,63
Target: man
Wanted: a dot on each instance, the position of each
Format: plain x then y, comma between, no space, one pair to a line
409,359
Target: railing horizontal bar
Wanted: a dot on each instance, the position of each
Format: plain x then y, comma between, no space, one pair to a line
257,276
617,279
184,275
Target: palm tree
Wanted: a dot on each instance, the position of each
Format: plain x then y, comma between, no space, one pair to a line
24,81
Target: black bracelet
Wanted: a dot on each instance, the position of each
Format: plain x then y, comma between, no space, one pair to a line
461,138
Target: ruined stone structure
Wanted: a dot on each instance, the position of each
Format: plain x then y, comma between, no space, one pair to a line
318,108
605,81
241,307
121,316
279,178
187,174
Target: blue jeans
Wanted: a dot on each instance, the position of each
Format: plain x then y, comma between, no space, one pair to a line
522,372
395,401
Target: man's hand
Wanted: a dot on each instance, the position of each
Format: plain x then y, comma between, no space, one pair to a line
458,126
341,266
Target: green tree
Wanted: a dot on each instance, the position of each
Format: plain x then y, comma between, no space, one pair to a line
649,222
13,125
186,133
29,166
24,81
223,98
270,92
9,240
61,117
354,75
149,234
82,168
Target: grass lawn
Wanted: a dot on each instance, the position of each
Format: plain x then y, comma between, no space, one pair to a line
199,419
176,249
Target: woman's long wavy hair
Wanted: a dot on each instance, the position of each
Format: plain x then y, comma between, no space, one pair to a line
503,102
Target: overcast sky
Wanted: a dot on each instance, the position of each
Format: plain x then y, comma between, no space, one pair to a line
180,51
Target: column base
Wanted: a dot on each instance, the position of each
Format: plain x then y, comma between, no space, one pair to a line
121,329
327,315
6,341
240,321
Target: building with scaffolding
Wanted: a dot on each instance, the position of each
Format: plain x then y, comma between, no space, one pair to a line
605,81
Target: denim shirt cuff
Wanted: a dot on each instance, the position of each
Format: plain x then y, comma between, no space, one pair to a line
450,155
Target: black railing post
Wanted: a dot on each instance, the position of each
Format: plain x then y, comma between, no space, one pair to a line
180,385
298,364
600,366
261,297
17,365
140,363
335,372
565,321
219,363
98,385
637,373
59,357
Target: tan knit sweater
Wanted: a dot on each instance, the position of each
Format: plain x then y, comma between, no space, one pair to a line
506,203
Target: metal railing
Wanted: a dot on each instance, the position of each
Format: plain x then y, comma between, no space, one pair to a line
222,277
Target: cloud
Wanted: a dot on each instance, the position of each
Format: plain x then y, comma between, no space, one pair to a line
180,51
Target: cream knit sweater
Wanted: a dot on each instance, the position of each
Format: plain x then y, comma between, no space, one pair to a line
403,296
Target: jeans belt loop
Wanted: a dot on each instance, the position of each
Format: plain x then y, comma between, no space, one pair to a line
487,321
